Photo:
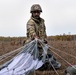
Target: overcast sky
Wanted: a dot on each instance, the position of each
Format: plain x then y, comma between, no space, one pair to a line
59,15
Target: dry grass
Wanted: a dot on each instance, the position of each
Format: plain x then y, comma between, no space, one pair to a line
65,46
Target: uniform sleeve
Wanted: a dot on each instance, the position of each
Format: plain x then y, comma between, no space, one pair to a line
30,29
45,35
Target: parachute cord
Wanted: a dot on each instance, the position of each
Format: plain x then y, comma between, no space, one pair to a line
42,44
62,52
26,47
6,58
63,59
54,68
59,55
7,54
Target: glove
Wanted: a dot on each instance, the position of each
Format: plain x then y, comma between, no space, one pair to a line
45,41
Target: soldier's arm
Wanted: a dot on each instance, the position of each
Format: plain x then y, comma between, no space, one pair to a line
45,31
31,29
45,35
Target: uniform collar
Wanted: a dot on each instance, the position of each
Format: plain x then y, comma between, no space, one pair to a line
36,20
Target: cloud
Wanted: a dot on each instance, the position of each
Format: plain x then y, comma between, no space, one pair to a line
59,15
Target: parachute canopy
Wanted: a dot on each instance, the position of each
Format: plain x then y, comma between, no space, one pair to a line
29,59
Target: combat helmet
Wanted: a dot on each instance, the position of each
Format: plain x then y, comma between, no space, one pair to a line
35,7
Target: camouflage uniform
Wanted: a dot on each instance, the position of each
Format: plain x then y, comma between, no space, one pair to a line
36,26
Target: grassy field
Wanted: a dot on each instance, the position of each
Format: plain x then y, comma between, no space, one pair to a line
63,48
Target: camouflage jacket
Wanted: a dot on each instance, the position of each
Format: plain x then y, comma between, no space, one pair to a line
37,27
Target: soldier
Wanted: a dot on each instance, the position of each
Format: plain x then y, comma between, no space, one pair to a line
35,26
71,70
36,29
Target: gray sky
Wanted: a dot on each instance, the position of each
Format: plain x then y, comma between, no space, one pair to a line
59,15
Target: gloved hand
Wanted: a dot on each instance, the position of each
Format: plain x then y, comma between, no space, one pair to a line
45,41
34,36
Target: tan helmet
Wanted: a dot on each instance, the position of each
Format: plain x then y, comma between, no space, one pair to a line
35,7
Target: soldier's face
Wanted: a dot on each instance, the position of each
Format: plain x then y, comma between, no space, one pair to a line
36,14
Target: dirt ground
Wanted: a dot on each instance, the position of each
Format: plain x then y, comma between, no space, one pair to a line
63,51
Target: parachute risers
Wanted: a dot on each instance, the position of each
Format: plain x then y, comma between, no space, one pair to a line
29,59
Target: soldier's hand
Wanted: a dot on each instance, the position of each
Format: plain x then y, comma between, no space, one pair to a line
35,36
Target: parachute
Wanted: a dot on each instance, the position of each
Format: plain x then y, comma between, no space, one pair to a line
29,59
71,70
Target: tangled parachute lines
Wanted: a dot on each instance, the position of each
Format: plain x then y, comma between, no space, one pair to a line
32,57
